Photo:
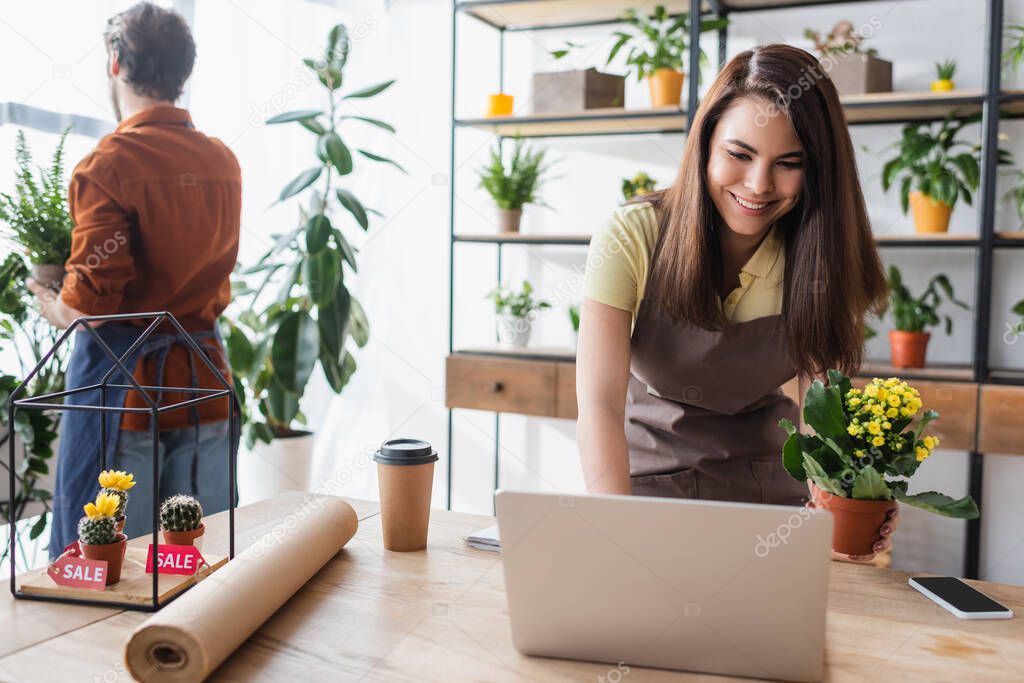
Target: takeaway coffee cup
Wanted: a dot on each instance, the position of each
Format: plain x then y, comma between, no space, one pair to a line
405,474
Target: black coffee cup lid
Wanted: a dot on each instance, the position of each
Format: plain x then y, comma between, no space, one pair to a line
405,452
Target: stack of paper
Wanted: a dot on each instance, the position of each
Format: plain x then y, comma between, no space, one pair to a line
485,539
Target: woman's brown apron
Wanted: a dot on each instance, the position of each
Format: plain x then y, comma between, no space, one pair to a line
703,407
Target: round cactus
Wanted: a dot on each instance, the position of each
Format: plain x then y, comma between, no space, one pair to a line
97,530
181,513
122,497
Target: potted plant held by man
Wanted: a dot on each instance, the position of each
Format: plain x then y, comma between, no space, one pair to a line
37,213
862,455
911,315
295,312
515,185
516,311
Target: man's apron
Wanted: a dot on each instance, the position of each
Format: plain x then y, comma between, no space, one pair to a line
79,454
702,409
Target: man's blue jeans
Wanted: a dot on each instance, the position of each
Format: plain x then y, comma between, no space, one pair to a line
176,451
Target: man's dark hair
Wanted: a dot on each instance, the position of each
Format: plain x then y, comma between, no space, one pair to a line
155,48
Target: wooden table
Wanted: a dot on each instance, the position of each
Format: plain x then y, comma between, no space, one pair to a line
440,615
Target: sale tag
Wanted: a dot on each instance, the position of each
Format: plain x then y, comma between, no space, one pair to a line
176,559
71,569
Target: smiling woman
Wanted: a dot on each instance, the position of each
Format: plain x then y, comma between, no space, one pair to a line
701,300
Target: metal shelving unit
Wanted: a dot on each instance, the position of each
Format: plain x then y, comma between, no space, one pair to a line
990,101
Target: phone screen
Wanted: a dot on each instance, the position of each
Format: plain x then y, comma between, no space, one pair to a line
959,594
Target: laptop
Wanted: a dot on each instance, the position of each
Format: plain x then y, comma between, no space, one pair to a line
688,585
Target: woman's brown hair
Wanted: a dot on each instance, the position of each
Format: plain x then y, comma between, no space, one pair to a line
833,273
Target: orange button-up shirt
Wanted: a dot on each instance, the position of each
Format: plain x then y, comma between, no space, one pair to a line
157,213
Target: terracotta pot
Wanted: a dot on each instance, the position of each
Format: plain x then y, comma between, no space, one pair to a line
908,348
856,522
930,216
509,219
113,553
666,87
49,275
183,537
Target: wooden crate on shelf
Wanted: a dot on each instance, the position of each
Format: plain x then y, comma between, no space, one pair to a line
1001,429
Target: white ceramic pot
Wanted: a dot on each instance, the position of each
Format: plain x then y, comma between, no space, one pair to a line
282,465
513,331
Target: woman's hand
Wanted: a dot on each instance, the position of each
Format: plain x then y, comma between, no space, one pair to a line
882,543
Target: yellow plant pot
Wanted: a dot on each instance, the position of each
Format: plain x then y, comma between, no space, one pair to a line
942,85
930,216
666,87
499,104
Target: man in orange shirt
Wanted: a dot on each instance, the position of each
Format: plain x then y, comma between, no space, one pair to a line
156,208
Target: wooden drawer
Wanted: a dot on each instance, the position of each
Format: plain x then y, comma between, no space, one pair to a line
500,385
565,391
1002,420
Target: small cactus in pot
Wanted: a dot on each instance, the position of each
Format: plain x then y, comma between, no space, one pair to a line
117,483
98,536
181,519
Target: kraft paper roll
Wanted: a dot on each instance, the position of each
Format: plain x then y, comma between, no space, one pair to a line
189,638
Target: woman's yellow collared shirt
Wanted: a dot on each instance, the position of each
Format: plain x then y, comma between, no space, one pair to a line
619,260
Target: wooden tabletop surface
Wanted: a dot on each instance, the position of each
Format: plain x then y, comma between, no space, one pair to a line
440,615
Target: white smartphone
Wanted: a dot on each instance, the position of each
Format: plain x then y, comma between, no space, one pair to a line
959,598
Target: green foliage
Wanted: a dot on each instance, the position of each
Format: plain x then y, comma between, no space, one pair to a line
181,513
519,304
842,39
944,71
1018,308
97,530
37,213
659,42
639,184
28,336
935,162
295,310
1014,53
913,314
841,458
514,185
574,317
1015,197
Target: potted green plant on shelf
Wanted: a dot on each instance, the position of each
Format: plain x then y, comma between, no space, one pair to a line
862,455
117,483
574,320
1018,309
516,311
657,49
853,69
515,185
181,520
1015,197
27,336
639,184
37,213
1013,55
944,72
908,342
934,169
293,311
98,536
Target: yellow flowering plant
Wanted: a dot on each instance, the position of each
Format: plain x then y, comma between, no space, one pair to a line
116,483
862,447
105,505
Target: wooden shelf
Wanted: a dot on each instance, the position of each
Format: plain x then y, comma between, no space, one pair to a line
560,354
927,240
891,107
519,238
1009,239
520,15
937,372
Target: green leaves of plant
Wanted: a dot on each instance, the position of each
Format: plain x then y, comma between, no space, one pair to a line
333,320
869,485
336,152
318,231
823,410
294,350
354,206
370,91
300,183
384,160
941,504
298,115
